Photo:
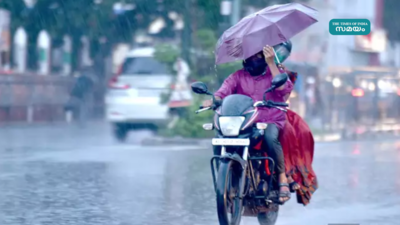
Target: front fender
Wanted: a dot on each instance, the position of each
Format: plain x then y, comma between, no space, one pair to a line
234,157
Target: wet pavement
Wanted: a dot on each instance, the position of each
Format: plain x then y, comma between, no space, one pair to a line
64,175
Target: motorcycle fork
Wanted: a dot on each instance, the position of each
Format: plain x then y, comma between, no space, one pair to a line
215,160
245,161
244,170
244,164
214,164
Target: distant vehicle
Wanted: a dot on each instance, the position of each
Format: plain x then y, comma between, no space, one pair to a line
133,99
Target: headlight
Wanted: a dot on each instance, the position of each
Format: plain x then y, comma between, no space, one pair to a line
230,126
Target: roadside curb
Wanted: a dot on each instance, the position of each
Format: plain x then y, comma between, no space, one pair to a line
161,141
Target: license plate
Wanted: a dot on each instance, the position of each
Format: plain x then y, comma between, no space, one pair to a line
230,142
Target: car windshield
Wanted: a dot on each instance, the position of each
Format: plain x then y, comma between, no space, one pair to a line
143,66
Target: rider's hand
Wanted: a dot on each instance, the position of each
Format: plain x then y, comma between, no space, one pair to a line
269,54
207,103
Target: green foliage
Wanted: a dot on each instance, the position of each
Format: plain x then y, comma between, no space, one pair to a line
84,17
224,70
167,54
95,20
190,124
208,14
206,39
74,18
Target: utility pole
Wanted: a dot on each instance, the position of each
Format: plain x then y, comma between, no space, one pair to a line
236,12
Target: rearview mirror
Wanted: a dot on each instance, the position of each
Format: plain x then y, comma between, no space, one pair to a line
279,80
199,88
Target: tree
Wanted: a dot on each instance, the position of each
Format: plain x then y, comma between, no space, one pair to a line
84,17
78,18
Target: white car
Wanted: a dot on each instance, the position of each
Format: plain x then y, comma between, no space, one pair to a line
133,99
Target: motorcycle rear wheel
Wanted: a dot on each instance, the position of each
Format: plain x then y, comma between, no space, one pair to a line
228,186
268,218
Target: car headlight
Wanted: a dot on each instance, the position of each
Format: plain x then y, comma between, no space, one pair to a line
230,125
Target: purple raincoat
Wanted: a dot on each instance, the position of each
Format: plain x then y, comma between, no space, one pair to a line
241,82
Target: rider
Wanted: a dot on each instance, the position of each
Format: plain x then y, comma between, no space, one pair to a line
253,80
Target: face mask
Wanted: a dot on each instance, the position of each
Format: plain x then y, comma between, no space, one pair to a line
255,65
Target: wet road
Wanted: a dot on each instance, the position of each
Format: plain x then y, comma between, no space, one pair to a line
58,175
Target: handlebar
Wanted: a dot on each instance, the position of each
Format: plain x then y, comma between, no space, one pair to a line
281,104
216,104
270,104
202,109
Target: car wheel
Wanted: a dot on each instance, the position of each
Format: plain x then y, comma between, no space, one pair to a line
149,127
121,132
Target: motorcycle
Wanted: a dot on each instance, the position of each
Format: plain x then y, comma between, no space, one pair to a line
243,177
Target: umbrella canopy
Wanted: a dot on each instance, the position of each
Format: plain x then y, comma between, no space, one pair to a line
270,26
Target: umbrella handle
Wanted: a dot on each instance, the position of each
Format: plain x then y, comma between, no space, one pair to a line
276,57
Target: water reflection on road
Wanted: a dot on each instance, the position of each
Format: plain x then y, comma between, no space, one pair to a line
79,179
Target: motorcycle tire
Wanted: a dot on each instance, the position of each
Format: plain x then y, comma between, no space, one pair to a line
268,218
228,179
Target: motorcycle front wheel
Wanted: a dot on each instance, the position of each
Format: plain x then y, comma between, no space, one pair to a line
229,205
